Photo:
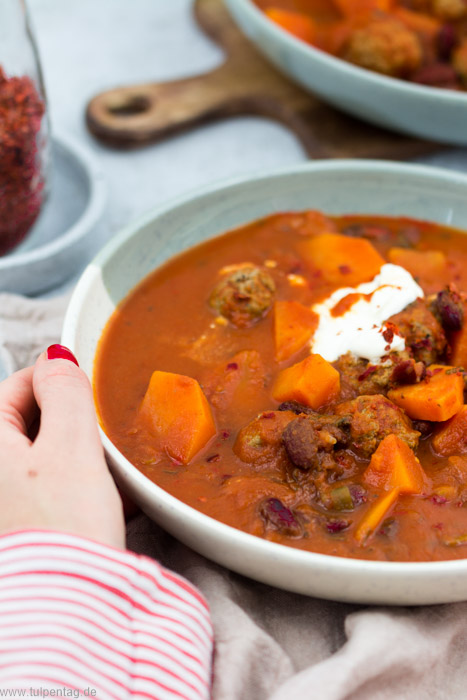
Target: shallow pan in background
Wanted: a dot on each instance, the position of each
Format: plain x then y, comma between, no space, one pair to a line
431,113
336,187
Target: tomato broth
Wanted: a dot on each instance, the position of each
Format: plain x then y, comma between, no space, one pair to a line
318,473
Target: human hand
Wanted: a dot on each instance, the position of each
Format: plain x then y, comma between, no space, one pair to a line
58,480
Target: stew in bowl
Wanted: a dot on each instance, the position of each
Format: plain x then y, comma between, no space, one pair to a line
382,67
140,257
302,378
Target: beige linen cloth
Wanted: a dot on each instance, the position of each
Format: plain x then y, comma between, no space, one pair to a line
270,643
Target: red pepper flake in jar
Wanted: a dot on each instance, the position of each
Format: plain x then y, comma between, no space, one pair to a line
21,180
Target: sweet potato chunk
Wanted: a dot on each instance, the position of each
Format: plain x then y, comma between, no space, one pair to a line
375,516
428,264
396,469
293,327
342,260
437,398
452,438
296,23
178,414
312,382
394,466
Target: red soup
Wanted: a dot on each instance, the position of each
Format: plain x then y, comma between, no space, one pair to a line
301,378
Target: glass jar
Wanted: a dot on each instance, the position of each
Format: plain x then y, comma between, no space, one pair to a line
23,127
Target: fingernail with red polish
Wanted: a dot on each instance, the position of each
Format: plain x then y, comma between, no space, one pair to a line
60,352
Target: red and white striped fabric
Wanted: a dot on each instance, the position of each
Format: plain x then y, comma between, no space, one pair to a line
79,619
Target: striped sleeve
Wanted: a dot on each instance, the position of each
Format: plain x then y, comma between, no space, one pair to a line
79,619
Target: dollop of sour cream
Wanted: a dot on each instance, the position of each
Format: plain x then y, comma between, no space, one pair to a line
360,329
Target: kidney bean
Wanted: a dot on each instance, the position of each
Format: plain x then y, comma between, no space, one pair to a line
439,75
358,494
423,426
450,309
333,526
276,515
408,372
446,41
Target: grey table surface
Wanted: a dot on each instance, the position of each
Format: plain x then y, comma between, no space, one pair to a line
88,46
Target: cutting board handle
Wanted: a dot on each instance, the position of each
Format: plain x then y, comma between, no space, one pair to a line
246,83
140,114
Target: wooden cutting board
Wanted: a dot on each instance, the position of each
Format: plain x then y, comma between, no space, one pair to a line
245,84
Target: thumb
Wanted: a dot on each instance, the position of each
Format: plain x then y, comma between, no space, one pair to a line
64,396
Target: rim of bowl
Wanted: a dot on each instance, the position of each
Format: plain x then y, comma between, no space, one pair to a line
330,563
88,218
447,96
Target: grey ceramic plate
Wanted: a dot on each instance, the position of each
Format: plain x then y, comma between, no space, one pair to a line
63,239
335,187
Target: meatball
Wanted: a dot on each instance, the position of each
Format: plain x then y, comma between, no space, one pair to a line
372,418
449,9
310,439
244,297
459,61
422,332
385,46
367,378
260,442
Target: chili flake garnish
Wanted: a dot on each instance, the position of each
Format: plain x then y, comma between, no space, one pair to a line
390,331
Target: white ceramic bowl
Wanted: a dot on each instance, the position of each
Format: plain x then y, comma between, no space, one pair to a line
431,113
335,187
